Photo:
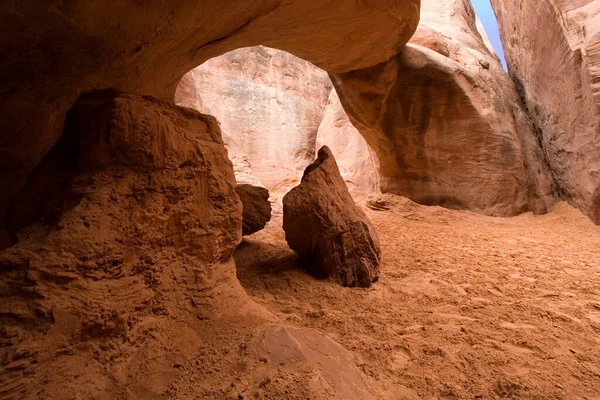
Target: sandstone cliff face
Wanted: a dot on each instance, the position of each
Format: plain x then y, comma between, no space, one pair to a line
52,53
553,53
269,104
275,111
357,161
446,121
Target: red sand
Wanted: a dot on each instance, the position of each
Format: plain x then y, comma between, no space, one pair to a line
467,307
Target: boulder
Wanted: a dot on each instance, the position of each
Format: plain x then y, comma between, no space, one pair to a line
332,235
256,208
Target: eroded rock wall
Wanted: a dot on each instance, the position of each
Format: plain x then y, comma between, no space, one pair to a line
447,122
138,215
552,49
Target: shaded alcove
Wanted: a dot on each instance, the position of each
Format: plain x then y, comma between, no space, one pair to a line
275,111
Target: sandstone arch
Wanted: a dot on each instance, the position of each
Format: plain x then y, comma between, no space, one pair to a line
86,282
53,52
443,116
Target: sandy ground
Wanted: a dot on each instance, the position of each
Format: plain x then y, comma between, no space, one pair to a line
467,307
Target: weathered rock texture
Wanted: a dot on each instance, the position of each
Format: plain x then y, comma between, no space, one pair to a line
275,111
129,215
121,136
53,52
121,281
269,104
446,122
324,226
552,49
256,208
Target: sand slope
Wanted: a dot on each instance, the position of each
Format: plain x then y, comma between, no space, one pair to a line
467,306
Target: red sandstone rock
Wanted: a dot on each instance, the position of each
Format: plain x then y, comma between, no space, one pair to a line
256,208
328,231
111,135
139,216
447,130
552,49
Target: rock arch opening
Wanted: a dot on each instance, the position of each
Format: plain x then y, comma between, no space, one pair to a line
275,111
70,49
